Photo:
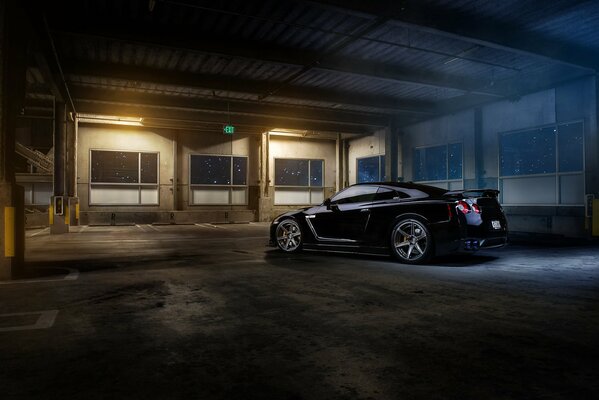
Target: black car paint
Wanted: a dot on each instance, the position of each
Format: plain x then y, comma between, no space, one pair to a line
365,227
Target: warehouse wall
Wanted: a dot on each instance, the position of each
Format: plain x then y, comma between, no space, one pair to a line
175,148
291,147
127,139
448,129
215,143
373,145
568,103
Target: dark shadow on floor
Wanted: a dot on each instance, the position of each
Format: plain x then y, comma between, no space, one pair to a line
278,258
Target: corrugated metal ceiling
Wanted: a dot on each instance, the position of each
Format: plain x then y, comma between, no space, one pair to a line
303,36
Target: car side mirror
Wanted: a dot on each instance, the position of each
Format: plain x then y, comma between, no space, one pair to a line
327,203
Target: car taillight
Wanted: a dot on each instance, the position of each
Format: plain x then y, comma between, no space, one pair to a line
463,207
476,208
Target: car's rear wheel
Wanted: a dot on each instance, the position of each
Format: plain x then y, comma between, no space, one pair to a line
289,236
411,241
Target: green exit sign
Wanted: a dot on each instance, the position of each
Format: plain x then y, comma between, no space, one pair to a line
228,129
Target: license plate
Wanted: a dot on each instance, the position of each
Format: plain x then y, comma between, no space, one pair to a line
496,224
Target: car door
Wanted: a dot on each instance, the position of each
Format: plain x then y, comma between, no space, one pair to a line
346,217
383,210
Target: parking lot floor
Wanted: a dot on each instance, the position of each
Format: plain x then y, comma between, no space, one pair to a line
210,312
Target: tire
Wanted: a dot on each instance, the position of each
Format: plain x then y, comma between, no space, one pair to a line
411,241
289,236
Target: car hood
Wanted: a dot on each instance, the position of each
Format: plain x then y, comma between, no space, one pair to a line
293,213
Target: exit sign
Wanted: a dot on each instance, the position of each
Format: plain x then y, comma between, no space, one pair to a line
228,129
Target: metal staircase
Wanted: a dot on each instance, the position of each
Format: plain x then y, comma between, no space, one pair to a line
36,158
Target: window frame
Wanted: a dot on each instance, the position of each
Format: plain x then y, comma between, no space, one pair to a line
230,186
382,176
308,187
557,174
446,180
138,184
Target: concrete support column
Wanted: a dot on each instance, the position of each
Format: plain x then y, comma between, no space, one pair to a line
59,209
60,130
265,202
175,187
339,163
391,153
479,166
13,43
345,169
72,200
71,156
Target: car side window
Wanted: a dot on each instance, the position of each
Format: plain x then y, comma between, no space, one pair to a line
386,194
355,194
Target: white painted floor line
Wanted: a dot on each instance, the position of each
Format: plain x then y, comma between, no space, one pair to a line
73,275
45,320
207,225
42,231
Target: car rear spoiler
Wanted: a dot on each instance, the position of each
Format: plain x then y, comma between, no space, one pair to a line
472,193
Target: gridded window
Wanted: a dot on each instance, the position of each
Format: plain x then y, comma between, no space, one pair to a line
290,172
218,179
543,166
115,166
123,178
454,161
370,169
440,165
299,181
571,147
210,170
528,153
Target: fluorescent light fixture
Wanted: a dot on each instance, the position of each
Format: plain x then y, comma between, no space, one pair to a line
110,119
289,132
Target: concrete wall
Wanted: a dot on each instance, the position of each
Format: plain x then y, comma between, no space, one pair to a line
211,143
475,130
457,128
291,147
175,148
121,138
367,146
577,101
530,111
572,102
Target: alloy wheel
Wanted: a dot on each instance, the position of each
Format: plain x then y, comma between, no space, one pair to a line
289,235
411,240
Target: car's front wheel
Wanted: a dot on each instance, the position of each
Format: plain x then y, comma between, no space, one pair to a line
411,241
289,236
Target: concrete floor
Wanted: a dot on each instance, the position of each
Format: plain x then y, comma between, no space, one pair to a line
209,312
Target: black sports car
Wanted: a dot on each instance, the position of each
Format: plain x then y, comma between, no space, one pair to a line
411,221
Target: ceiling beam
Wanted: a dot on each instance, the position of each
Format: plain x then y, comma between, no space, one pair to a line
231,107
213,82
532,85
461,25
178,38
165,113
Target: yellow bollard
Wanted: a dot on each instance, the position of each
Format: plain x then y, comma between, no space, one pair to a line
9,231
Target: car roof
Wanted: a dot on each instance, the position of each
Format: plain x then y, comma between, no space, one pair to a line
408,186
